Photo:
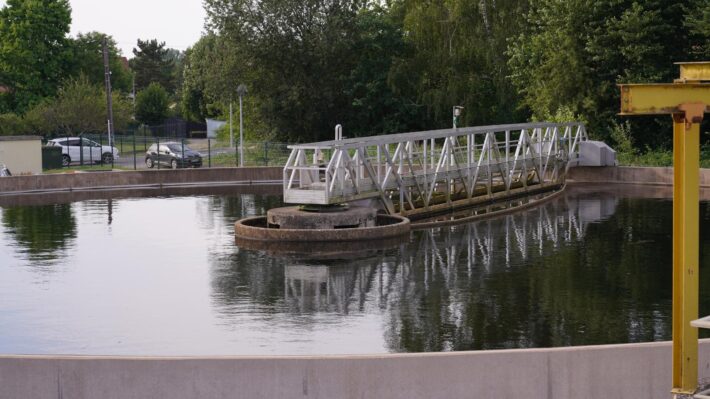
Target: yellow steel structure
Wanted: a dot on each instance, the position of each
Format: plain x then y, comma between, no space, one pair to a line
686,100
693,71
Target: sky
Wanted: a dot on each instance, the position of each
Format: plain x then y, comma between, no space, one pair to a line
178,23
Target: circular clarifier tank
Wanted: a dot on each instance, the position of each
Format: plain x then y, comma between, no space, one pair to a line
296,224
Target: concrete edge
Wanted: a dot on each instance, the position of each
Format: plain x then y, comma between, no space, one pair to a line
581,348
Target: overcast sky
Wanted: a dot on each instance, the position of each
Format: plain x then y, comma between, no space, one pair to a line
178,23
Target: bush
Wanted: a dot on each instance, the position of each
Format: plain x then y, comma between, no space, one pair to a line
152,105
12,125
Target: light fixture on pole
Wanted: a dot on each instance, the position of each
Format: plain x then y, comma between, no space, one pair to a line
241,90
457,114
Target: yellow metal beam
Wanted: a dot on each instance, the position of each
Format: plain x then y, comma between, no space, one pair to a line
663,98
687,101
694,71
686,206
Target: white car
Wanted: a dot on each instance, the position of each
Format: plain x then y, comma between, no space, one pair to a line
72,148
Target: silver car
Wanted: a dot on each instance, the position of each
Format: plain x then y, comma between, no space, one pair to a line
74,147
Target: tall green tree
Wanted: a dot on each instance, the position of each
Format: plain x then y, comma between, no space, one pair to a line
88,61
152,104
375,105
152,63
458,59
299,53
212,71
34,51
573,53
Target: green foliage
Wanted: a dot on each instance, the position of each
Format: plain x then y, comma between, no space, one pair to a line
88,61
34,50
12,125
210,76
458,59
375,107
80,107
152,105
573,53
153,63
698,23
299,54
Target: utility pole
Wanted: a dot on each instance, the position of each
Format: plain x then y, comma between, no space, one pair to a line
109,102
241,90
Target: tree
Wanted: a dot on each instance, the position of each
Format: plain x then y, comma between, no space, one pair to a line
457,58
34,50
88,61
11,125
152,63
299,54
152,104
573,53
375,107
80,107
211,74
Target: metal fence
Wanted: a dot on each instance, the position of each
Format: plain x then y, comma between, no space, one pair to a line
131,152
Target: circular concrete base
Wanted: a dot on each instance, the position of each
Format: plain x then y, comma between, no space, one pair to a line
386,226
292,217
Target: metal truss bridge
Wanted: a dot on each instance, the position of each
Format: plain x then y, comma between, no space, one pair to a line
430,171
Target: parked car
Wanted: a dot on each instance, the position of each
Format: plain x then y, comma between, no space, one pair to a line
174,155
73,147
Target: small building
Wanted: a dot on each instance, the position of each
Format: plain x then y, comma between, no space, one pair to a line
21,154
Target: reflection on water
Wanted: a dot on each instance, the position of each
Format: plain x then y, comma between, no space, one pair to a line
589,267
41,233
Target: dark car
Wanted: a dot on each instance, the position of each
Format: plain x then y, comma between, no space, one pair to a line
173,155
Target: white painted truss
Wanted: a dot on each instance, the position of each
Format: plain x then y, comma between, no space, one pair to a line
418,171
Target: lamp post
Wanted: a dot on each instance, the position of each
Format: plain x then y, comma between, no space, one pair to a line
457,114
241,91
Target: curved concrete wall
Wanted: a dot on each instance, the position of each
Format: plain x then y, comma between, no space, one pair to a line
629,174
107,180
610,371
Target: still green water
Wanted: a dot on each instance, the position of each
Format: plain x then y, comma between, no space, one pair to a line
163,276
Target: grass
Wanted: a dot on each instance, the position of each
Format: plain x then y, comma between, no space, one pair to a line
85,168
658,158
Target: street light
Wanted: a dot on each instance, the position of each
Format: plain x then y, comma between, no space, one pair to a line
457,113
241,91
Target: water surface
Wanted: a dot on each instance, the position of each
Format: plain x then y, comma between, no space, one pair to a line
163,276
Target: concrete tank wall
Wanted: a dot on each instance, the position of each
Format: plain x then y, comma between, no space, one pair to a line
611,371
629,175
103,180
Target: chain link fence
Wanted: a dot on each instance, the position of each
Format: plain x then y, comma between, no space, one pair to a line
131,151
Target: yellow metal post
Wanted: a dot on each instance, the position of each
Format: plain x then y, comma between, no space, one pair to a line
686,205
687,100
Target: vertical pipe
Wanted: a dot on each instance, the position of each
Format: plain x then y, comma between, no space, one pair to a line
685,253
157,150
135,152
241,134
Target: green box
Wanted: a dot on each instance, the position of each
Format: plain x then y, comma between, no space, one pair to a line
51,157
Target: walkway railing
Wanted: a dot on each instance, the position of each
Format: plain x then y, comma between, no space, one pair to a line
420,170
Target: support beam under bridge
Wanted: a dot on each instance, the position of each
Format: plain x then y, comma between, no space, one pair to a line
426,171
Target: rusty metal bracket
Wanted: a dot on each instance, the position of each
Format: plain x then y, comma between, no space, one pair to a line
694,113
